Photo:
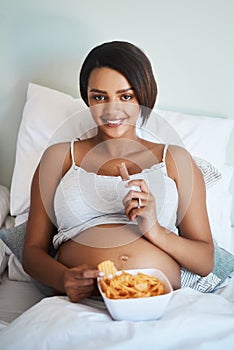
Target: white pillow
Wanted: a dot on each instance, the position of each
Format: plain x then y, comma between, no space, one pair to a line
44,115
50,116
4,203
16,271
203,136
219,203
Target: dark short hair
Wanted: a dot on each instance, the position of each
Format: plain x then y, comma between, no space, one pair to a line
131,62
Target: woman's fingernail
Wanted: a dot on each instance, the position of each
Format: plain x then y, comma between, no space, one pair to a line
101,274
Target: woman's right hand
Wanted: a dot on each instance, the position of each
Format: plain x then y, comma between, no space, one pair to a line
80,282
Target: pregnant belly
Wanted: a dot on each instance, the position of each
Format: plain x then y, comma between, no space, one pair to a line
123,245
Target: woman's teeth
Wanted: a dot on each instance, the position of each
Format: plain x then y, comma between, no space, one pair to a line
114,122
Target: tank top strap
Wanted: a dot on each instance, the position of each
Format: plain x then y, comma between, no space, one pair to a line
165,152
164,167
72,151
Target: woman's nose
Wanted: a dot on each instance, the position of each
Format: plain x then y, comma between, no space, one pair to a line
111,108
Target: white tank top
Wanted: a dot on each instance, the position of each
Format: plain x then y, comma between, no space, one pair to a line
84,199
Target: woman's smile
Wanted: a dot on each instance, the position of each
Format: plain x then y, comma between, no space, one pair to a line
113,123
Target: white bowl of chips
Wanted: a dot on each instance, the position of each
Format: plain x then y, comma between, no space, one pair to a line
136,295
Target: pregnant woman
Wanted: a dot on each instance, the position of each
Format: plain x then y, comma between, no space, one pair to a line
116,196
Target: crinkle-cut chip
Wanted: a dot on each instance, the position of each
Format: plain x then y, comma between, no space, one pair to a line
141,286
108,268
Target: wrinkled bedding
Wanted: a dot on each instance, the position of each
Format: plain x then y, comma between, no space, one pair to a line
193,320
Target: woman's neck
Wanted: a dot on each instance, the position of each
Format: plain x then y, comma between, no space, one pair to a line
119,146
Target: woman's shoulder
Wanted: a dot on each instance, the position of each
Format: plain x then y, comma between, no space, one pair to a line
177,156
55,150
178,151
180,161
56,157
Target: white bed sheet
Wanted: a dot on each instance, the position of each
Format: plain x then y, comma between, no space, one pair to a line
16,297
193,320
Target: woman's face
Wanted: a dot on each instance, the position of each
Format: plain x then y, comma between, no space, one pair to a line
112,102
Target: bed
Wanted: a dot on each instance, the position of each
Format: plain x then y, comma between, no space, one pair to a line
193,320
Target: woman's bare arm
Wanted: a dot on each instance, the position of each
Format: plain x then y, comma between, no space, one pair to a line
193,248
41,222
77,282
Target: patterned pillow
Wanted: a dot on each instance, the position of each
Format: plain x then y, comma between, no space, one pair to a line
202,284
224,261
223,268
210,174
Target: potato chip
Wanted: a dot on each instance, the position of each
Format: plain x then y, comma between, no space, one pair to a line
127,286
108,268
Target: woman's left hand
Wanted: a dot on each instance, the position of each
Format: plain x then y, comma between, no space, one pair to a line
140,205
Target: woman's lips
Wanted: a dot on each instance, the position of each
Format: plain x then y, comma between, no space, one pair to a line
113,123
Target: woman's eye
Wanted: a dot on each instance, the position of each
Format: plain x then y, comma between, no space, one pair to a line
98,98
126,97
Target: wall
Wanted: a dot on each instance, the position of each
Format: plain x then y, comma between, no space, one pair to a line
190,44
